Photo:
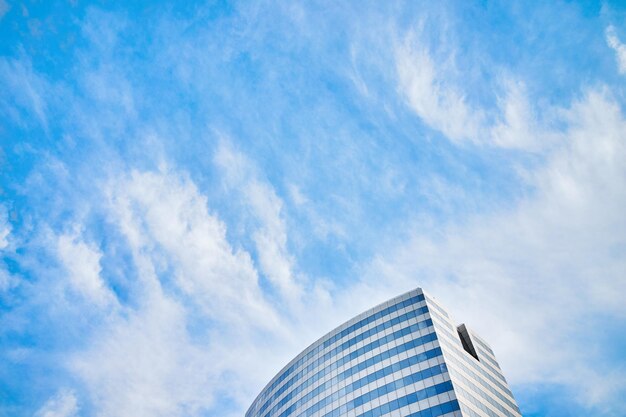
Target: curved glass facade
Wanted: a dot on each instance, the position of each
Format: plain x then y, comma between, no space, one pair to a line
390,360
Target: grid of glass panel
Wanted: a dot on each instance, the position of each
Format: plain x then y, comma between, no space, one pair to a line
478,367
477,381
387,360
319,352
402,358
331,338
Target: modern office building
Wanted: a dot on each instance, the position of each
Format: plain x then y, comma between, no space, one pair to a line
405,357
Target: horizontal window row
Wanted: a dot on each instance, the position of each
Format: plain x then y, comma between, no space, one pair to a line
442,321
355,354
381,373
490,359
482,394
409,399
468,411
500,382
477,378
431,303
462,393
387,388
438,410
473,364
487,363
349,344
338,336
484,345
448,329
383,313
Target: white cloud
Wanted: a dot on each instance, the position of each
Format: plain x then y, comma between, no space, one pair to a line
429,89
145,364
26,91
4,234
620,49
297,196
434,98
63,404
532,279
82,263
109,88
270,236
5,228
7,281
163,214
198,320
517,127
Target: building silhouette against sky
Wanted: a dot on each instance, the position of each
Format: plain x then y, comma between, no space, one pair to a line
404,357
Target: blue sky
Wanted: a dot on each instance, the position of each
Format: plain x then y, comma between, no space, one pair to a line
190,194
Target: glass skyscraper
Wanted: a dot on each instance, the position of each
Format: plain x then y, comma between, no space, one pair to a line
405,357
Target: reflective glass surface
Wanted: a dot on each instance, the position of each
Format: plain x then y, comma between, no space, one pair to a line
391,360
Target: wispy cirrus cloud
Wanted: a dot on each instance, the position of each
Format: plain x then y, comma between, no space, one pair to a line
63,404
433,95
269,234
431,89
549,264
5,227
164,214
6,280
25,92
145,360
150,262
82,263
620,49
